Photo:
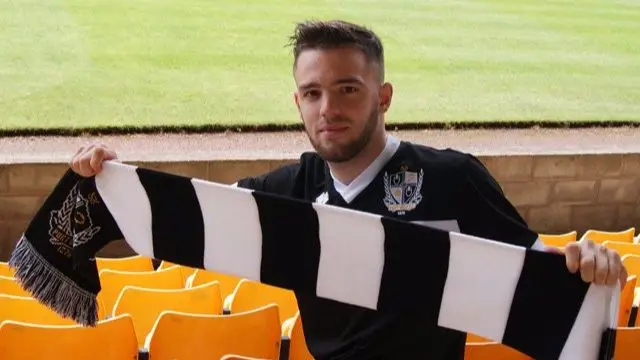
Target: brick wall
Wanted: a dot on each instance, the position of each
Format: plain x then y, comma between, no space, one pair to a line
554,193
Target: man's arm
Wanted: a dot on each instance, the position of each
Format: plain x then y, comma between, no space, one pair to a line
280,181
485,210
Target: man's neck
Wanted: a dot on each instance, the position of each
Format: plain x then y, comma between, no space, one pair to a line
346,172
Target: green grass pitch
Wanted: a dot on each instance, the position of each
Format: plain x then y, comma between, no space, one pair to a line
91,63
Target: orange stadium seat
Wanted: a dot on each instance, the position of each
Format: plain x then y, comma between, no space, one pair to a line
492,351
627,343
558,240
292,330
599,236
623,248
179,335
28,309
626,300
145,305
250,295
5,270
113,281
184,270
9,286
632,263
110,339
227,282
131,263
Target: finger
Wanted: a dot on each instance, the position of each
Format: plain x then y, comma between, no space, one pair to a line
622,275
75,159
602,265
95,162
85,164
615,266
587,261
572,256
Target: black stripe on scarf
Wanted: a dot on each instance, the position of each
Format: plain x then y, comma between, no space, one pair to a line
177,224
288,261
526,329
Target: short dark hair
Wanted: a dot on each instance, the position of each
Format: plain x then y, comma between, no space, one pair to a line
336,33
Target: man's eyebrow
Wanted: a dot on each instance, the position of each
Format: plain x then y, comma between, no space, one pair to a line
345,80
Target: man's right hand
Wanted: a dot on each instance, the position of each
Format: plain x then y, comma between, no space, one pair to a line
88,160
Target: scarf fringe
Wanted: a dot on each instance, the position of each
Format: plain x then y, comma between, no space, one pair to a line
51,287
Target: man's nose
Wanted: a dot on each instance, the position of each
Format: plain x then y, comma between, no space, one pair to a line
329,107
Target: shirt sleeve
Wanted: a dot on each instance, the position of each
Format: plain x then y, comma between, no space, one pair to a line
281,181
485,210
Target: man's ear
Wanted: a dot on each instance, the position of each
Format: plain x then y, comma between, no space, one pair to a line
386,93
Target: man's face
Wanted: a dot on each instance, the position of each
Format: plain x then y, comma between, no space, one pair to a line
339,98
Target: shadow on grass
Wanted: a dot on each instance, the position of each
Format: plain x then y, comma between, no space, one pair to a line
252,128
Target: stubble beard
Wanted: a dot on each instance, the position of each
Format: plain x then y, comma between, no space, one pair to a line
346,152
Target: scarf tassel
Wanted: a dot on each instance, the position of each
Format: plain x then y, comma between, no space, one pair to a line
50,287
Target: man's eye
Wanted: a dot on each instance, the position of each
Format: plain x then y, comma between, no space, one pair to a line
311,93
349,89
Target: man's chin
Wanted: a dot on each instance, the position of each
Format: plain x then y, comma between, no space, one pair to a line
335,155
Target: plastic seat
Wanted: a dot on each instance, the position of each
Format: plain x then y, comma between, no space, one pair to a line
558,240
227,283
5,270
627,343
599,236
250,295
130,263
145,305
292,330
9,286
28,309
184,270
473,338
492,351
626,300
623,248
240,357
632,263
179,335
112,339
113,281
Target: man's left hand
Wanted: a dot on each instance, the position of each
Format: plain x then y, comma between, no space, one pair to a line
596,263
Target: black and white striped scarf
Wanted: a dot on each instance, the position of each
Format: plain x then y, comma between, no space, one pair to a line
523,298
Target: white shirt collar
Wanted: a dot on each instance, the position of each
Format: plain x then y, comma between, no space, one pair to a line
349,192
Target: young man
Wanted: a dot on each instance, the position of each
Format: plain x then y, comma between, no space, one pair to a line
342,97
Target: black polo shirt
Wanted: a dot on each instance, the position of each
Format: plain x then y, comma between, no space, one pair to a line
417,183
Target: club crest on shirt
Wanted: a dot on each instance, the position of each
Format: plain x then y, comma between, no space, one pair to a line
71,224
403,190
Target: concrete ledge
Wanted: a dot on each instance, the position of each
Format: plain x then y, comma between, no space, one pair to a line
554,192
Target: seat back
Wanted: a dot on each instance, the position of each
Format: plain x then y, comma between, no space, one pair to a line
113,281
227,283
492,351
623,248
558,240
632,263
599,236
626,300
9,286
250,295
298,349
112,339
145,305
185,271
627,343
179,335
5,270
130,263
28,309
